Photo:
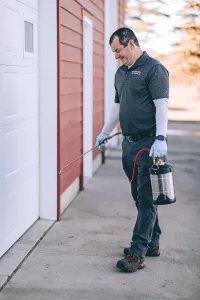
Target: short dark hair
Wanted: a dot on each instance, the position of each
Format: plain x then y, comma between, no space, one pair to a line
125,35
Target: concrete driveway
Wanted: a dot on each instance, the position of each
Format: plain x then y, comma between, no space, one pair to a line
77,257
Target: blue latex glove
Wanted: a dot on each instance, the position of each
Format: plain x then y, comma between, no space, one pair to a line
100,138
158,149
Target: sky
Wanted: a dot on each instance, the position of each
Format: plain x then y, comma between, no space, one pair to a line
164,26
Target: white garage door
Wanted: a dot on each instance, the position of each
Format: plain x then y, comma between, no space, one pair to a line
19,115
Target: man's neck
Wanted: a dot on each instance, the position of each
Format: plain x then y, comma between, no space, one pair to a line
138,53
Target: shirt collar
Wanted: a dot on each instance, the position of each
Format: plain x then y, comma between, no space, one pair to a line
130,66
140,61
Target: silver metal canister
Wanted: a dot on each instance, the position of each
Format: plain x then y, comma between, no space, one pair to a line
162,183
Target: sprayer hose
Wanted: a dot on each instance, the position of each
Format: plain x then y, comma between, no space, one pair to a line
135,163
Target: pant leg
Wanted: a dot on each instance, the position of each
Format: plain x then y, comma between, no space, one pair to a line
155,239
146,231
147,214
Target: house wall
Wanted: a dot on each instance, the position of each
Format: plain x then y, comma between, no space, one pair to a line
70,89
70,127
121,13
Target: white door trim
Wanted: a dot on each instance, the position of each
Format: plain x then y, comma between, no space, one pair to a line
110,63
87,98
48,109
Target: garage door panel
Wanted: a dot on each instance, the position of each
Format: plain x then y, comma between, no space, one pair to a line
13,16
10,221
19,120
30,3
9,96
11,162
10,184
10,216
29,145
9,27
29,93
29,196
28,36
12,4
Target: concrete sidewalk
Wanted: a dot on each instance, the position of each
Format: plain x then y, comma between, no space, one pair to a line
77,257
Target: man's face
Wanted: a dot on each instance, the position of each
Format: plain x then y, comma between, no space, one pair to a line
125,54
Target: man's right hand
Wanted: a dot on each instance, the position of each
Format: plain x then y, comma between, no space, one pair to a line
102,136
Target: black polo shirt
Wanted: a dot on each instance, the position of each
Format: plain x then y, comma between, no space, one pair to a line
136,88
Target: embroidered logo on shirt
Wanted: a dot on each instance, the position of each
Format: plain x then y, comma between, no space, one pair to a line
136,72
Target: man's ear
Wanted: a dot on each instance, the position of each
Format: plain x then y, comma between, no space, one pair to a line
131,44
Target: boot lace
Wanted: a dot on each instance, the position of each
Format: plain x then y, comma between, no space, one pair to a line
131,258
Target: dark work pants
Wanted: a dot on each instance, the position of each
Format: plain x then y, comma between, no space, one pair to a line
146,232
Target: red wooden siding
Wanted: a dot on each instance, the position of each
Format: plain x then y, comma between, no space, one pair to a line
121,13
70,53
71,14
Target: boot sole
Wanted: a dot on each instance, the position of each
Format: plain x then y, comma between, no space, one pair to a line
123,267
153,255
149,255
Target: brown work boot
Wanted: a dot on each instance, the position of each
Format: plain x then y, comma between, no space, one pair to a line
153,252
131,263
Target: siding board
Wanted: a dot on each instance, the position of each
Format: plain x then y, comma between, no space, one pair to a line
98,106
98,25
70,70
74,149
70,101
70,21
98,49
98,60
69,53
121,13
98,95
98,37
70,133
98,72
97,129
98,83
70,86
71,6
92,9
99,4
70,117
69,176
70,37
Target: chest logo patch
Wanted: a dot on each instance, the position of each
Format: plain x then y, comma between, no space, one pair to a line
136,72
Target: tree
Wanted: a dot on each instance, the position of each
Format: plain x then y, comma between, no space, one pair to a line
143,13
188,45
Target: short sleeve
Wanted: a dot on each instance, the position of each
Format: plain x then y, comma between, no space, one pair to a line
158,82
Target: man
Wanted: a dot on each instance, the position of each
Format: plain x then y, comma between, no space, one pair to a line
141,106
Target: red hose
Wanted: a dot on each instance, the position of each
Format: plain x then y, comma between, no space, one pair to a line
135,162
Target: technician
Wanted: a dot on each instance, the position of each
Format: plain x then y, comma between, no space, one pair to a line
141,107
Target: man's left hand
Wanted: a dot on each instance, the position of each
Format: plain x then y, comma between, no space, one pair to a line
158,149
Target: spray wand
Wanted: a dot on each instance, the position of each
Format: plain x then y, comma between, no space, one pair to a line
106,139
